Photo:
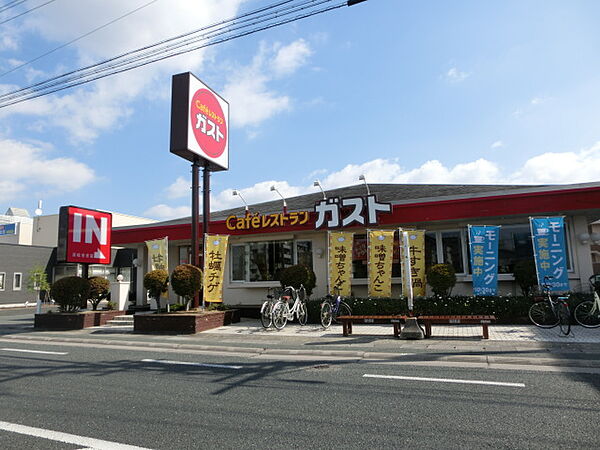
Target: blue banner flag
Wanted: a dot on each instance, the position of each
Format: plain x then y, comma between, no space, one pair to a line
550,252
483,244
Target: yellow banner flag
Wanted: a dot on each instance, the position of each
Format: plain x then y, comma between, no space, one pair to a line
215,252
340,262
416,255
381,252
158,255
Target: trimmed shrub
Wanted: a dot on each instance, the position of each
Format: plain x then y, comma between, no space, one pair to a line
99,290
441,278
186,281
70,293
156,282
526,276
296,275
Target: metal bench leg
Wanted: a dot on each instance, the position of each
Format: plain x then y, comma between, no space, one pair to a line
427,330
485,331
345,327
396,329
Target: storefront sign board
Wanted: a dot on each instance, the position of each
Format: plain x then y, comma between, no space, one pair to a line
199,122
84,235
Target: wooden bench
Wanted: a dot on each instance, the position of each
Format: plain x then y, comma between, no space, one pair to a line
483,320
347,322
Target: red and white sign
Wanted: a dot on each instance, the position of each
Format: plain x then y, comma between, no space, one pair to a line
199,122
84,235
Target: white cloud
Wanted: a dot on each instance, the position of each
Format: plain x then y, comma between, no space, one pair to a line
567,167
166,212
27,166
548,168
100,107
290,57
248,86
497,144
454,75
180,188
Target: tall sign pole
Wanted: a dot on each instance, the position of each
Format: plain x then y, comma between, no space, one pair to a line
200,134
195,211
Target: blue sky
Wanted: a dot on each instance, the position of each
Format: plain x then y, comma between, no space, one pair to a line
407,92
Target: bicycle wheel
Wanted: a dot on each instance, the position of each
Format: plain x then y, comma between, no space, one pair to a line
587,314
326,315
280,315
564,319
542,315
266,317
302,314
343,310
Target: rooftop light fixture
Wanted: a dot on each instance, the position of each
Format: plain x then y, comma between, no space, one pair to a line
317,183
239,194
273,188
362,178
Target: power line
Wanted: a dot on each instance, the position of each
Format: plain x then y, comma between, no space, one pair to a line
77,38
215,35
26,12
10,5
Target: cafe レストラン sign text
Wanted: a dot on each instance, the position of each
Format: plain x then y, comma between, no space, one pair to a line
258,221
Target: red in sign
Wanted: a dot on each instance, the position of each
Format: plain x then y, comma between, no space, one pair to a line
88,239
209,123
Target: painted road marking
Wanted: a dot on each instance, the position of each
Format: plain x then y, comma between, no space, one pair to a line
32,351
87,442
445,380
186,363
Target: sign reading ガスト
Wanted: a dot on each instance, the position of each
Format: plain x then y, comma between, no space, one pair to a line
84,235
199,122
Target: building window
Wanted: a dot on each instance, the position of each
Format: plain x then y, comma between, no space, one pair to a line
360,257
262,261
2,280
17,280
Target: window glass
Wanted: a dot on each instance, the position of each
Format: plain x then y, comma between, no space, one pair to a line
17,281
431,257
262,261
304,253
452,250
238,262
514,246
185,254
2,280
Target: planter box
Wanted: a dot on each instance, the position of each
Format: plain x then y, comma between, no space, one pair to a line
184,322
74,321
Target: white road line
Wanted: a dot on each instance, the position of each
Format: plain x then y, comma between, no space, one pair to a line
445,380
32,351
87,442
185,363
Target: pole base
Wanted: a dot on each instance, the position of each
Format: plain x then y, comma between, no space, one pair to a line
411,329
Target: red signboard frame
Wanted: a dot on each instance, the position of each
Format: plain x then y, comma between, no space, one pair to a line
84,235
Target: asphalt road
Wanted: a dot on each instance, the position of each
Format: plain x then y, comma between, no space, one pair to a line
133,397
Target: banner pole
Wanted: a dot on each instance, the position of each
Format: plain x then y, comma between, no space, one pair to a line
195,211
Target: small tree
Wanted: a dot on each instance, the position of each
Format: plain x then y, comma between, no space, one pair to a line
186,281
99,290
38,282
296,275
441,278
70,293
156,282
525,276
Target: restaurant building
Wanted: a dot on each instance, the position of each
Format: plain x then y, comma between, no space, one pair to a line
265,239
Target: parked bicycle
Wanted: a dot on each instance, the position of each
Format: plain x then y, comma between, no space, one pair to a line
266,310
587,314
551,312
282,312
333,307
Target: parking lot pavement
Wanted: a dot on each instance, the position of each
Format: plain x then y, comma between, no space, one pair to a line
520,333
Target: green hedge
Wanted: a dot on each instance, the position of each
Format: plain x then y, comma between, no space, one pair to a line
507,309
